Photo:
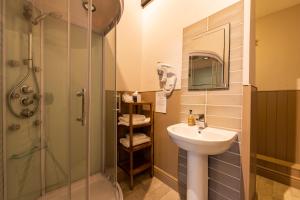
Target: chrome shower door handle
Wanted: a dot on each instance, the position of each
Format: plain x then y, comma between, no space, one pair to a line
81,94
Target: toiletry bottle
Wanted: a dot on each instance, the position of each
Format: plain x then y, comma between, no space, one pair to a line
191,119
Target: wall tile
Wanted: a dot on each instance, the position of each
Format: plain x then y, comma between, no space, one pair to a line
214,99
197,109
232,15
224,111
213,195
224,190
225,179
224,167
236,64
234,88
236,76
223,107
193,99
229,157
221,122
195,29
235,148
236,53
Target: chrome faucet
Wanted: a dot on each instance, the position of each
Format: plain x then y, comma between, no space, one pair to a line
201,122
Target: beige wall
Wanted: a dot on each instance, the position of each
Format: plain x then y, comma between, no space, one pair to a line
277,57
160,40
163,23
129,46
165,151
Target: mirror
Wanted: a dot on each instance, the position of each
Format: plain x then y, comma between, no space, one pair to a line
209,60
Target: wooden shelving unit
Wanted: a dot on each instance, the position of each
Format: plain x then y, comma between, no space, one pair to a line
136,159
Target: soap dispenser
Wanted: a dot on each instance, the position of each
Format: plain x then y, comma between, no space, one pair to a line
191,119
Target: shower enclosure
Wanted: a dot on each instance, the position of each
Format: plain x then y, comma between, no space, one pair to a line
58,99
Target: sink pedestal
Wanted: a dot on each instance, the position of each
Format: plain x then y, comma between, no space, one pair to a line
197,176
211,141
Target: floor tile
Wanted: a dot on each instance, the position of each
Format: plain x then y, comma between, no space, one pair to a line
268,189
147,188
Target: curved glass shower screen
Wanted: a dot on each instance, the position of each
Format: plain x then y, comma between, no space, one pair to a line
58,109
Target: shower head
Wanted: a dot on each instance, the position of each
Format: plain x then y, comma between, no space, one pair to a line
41,17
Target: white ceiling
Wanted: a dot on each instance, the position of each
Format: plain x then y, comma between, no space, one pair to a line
266,7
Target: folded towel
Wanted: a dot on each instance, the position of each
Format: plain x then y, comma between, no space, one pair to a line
138,136
134,116
146,121
126,143
134,120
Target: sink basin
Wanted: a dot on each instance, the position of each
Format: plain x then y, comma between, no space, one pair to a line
210,141
199,145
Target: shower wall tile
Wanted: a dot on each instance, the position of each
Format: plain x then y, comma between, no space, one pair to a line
223,108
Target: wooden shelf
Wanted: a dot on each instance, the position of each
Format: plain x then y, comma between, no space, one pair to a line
137,147
138,167
137,126
136,159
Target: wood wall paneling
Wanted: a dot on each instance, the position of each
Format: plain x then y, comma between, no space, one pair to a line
271,124
291,134
278,136
281,125
277,124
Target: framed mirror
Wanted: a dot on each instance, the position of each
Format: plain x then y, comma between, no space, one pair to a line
209,60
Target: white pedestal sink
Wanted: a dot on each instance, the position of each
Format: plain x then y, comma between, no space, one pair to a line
210,141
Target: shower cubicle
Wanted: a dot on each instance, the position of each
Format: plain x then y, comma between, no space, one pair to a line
58,99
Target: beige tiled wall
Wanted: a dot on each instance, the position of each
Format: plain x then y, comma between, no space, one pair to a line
223,108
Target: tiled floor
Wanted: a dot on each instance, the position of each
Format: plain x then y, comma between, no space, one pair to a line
271,190
147,188
100,188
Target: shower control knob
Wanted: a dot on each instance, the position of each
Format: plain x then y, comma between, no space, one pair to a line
13,63
25,101
37,122
26,113
15,96
26,89
14,127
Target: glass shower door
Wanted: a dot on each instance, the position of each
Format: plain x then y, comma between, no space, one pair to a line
56,97
80,99
80,36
